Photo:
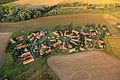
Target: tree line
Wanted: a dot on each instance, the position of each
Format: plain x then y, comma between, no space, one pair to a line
15,14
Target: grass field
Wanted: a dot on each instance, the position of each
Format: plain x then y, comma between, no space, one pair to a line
93,1
51,22
37,70
113,45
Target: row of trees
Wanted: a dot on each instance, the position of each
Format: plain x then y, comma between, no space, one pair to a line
14,14
6,1
75,4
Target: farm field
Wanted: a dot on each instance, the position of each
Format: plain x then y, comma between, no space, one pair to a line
113,45
94,65
38,2
52,21
92,1
4,37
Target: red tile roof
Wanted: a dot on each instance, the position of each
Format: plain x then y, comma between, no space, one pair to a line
42,52
28,61
58,42
20,37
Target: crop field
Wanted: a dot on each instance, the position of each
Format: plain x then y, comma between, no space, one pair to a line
113,45
93,1
51,22
38,2
92,65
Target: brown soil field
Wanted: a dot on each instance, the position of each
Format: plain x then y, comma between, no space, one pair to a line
92,65
3,43
52,21
112,21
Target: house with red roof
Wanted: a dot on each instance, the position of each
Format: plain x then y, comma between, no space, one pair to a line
42,52
72,50
12,40
93,33
76,32
19,37
27,57
49,50
55,44
82,49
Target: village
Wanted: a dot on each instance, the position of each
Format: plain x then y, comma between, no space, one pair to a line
28,47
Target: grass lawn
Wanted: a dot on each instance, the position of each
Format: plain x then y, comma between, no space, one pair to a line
37,70
52,21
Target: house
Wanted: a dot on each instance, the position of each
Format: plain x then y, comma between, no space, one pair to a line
76,32
41,33
22,46
44,46
42,52
84,33
61,33
73,42
63,46
55,32
24,54
28,61
30,36
65,34
72,50
55,44
118,26
48,51
70,46
53,40
11,40
92,33
19,37
100,43
82,49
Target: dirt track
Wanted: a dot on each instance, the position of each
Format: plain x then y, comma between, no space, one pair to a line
3,42
93,65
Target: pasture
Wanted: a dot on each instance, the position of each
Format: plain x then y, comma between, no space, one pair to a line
92,65
52,21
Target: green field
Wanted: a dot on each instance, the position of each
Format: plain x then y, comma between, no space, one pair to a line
51,22
37,70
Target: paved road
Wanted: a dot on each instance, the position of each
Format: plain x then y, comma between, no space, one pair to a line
3,42
93,65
